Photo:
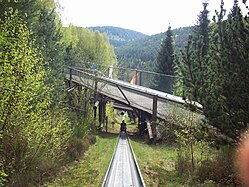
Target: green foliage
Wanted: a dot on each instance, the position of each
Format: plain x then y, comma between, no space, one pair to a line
215,70
47,34
145,49
77,146
42,20
3,175
118,36
91,169
219,169
142,54
190,144
30,132
193,63
36,134
164,64
229,97
86,48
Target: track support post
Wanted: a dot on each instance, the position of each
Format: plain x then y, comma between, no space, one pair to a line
154,115
70,78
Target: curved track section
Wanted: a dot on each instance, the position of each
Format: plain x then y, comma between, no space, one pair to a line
123,169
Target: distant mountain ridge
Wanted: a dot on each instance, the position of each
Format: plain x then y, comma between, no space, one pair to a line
119,36
131,46
146,48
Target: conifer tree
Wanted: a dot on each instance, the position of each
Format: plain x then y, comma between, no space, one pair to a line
193,63
215,72
164,64
227,107
48,36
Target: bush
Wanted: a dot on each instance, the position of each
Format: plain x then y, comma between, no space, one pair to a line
167,131
77,146
3,176
183,164
219,169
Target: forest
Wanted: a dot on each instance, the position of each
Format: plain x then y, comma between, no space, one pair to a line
118,36
43,127
39,129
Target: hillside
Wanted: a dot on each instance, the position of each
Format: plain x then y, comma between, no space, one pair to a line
119,36
146,48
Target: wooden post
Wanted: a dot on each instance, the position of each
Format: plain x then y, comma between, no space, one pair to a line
139,117
154,115
140,78
106,123
94,112
70,78
85,102
100,111
142,125
95,89
104,108
154,112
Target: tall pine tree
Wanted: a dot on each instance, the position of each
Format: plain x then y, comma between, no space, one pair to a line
227,107
215,71
193,63
164,64
48,36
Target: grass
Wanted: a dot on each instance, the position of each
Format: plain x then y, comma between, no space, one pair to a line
157,164
91,169
155,161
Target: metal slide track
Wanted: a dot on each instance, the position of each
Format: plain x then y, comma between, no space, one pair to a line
139,97
123,170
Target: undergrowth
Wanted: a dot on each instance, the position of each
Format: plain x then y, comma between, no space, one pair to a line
91,168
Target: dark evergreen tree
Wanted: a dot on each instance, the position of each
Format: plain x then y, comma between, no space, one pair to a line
193,63
215,73
48,39
164,64
227,107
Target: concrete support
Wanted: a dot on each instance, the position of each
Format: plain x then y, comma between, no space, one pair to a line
149,127
139,117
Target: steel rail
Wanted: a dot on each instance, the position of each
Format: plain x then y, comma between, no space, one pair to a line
123,169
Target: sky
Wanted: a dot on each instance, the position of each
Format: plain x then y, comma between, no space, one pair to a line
146,16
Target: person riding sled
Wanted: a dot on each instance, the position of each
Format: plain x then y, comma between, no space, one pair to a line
123,127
